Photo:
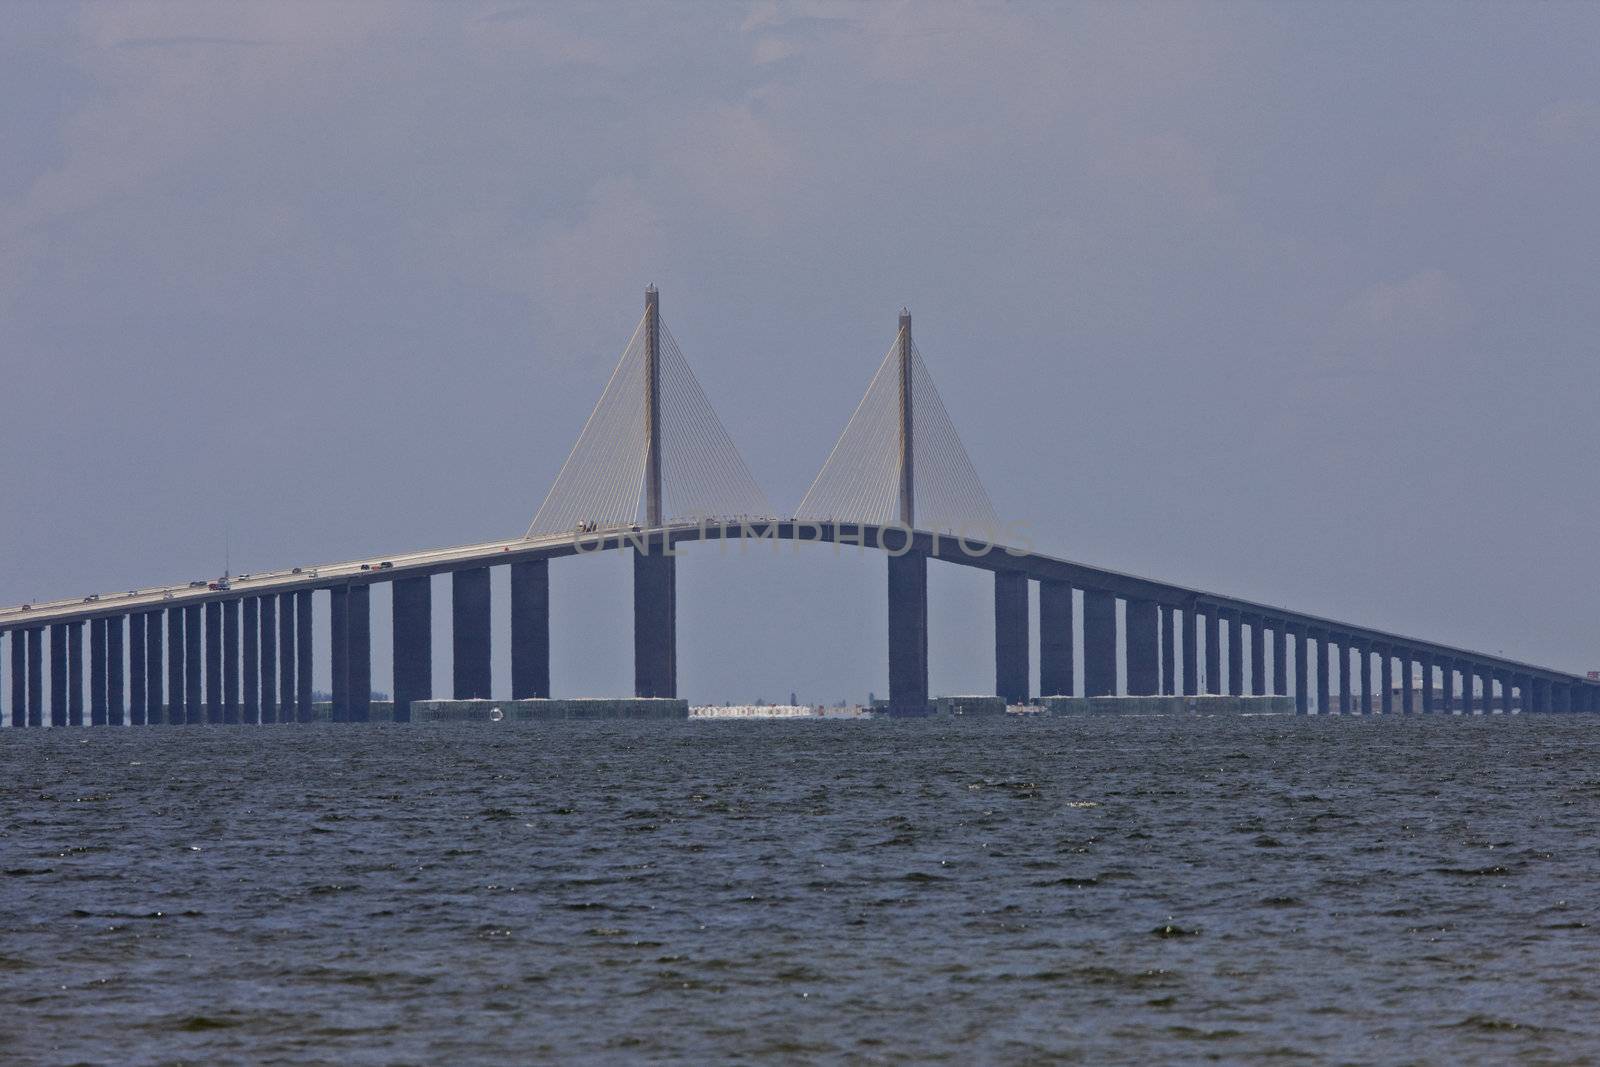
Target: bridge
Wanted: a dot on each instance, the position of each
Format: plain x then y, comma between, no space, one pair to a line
654,468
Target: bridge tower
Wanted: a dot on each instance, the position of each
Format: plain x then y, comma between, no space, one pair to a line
908,570
655,576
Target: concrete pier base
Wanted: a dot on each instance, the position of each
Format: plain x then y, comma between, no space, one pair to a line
502,711
1169,705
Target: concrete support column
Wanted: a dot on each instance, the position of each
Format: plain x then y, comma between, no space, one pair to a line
1562,691
36,677
1191,652
1140,639
1258,655
193,665
655,626
214,661
58,674
1234,623
1408,681
138,680
469,616
268,606
230,661
1324,671
155,678
1280,659
1213,680
413,643
530,629
74,674
305,655
1486,684
1055,639
1505,692
1386,679
252,659
1099,643
97,672
1011,636
1302,670
288,692
1426,662
359,650
908,627
1339,645
1167,619
116,674
339,650
19,678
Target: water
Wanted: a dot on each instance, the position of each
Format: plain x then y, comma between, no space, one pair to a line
1266,889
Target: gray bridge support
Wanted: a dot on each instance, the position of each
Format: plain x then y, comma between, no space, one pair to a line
288,692
193,695
97,672
268,606
1099,643
1011,636
230,661
1233,622
655,627
1191,652
1280,658
358,647
1139,641
252,660
36,677
58,674
1213,680
19,678
530,629
1324,670
1339,645
305,653
116,672
1167,620
1258,656
1426,662
75,673
1408,681
469,637
339,650
214,709
908,633
1386,679
155,704
1055,639
413,644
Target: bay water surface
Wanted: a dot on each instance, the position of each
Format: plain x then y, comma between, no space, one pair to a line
1272,889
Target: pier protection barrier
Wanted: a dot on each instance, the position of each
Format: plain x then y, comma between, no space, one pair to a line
1169,705
953,707
545,710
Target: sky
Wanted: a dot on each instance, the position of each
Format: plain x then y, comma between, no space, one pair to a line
1293,302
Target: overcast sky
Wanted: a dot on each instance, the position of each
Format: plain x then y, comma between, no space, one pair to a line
1293,302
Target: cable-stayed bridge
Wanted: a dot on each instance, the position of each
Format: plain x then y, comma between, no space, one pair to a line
653,468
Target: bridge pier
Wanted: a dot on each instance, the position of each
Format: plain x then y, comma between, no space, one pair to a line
1339,650
1099,643
1140,640
655,626
1233,623
154,664
75,673
252,660
1055,639
469,632
1191,652
1167,623
138,683
97,672
193,695
530,629
268,608
1505,691
230,662
1426,662
1386,679
1258,656
1280,658
36,677
116,673
1213,679
1563,697
1324,671
413,643
58,674
1011,636
19,678
288,693
358,649
339,650
213,613
306,656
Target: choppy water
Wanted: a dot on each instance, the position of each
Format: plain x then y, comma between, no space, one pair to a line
1297,890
